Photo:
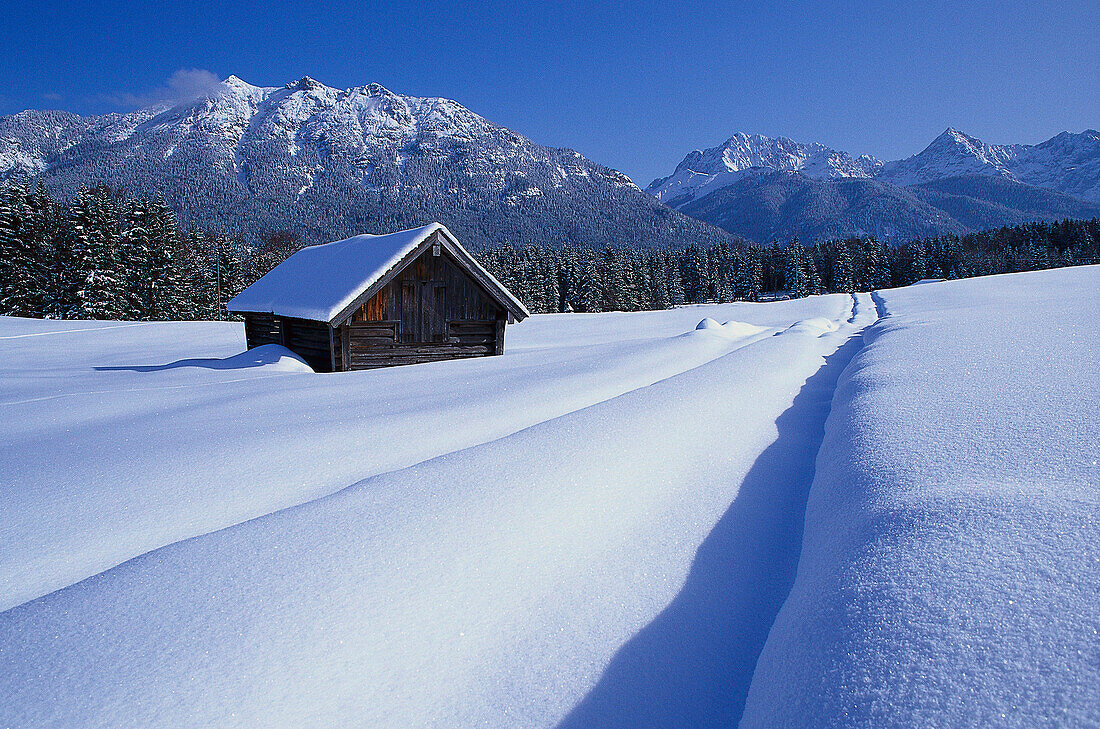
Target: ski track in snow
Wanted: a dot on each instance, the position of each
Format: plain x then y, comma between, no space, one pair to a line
692,665
950,568
763,370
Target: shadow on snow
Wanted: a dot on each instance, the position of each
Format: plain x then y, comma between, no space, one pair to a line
258,357
691,666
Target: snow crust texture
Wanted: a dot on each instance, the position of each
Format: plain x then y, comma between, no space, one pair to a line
951,563
154,439
489,586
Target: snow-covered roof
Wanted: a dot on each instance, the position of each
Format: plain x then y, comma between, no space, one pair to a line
321,282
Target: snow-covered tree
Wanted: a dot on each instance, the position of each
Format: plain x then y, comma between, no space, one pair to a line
100,285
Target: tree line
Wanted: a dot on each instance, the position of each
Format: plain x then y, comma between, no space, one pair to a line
620,278
108,255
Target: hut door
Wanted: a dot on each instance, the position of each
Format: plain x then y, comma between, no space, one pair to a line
423,305
433,301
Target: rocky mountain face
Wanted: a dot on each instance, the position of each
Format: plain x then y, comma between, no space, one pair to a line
1068,163
328,163
776,189
703,172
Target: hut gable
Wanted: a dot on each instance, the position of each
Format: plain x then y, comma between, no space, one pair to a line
378,300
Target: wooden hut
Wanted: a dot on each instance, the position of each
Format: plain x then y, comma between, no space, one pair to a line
380,300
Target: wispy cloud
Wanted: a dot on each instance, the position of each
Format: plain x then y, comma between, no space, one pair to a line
183,85
51,96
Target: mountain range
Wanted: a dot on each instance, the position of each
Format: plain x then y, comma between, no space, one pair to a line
327,163
777,189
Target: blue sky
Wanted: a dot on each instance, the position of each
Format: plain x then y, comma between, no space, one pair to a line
633,86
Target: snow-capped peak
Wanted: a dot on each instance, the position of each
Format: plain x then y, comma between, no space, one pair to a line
950,154
1068,163
305,83
704,171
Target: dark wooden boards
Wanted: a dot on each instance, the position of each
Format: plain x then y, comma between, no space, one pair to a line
378,344
430,310
308,339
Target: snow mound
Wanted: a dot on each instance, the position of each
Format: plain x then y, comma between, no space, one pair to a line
817,325
730,329
272,357
115,402
490,586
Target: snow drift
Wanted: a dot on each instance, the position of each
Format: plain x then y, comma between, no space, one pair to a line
950,570
490,586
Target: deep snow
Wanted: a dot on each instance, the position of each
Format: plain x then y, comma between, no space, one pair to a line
950,574
147,446
597,529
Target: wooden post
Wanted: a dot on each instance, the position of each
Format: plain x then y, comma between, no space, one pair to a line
331,350
345,348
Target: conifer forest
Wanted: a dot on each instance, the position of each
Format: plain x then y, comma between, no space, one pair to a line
109,255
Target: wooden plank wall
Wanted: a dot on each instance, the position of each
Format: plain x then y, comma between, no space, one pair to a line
375,344
431,311
462,298
308,339
260,329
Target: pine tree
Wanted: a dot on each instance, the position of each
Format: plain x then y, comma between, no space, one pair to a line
134,257
100,292
589,285
693,274
747,276
675,283
167,278
795,279
228,269
12,267
24,252
199,284
841,274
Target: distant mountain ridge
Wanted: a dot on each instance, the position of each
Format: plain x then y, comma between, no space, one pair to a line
766,189
704,171
328,163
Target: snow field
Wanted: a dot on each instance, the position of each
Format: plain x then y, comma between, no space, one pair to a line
492,585
152,437
801,517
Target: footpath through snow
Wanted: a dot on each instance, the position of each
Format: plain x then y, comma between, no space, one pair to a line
496,585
